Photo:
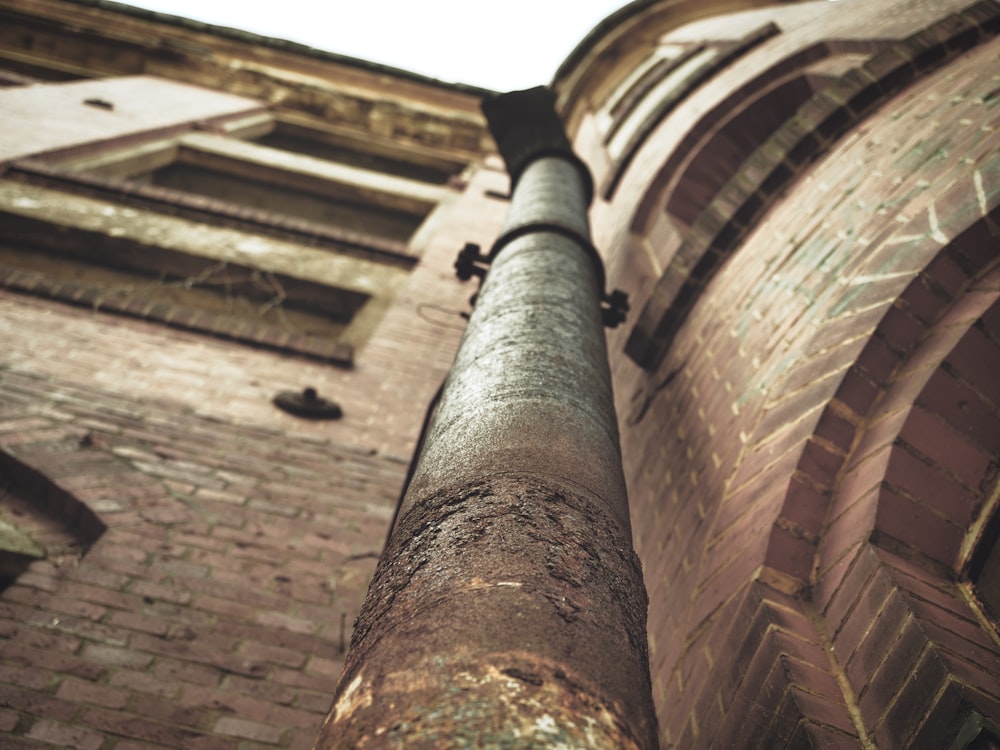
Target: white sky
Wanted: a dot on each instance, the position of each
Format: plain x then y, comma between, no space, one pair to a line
496,44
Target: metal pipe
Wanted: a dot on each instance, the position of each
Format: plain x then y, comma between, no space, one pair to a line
508,608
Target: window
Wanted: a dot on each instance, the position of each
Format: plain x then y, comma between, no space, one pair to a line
272,181
300,136
218,230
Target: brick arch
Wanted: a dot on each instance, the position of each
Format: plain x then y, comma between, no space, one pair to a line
924,456
943,463
871,456
707,170
887,581
919,464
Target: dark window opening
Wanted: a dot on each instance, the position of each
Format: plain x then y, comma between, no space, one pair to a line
260,186
266,196
224,299
300,140
731,145
220,290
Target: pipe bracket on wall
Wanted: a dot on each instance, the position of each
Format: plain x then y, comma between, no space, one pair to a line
471,262
614,308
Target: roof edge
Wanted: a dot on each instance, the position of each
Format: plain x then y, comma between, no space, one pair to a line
284,45
596,34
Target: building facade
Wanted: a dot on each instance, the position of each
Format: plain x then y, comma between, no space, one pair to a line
802,204
208,238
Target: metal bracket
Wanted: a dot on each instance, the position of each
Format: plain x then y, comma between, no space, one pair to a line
471,262
307,404
614,308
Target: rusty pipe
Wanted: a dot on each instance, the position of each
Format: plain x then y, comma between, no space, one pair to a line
508,608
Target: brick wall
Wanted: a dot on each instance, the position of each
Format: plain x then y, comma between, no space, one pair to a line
210,609
812,455
215,607
810,446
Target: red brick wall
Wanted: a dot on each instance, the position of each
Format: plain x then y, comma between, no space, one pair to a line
214,609
810,460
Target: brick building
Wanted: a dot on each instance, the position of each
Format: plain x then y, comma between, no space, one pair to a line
801,201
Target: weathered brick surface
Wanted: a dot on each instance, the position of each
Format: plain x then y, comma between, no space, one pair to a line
778,437
215,608
804,463
117,665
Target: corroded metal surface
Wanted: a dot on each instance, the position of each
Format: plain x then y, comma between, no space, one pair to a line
508,608
502,614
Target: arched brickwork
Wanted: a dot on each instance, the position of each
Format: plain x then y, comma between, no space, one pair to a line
901,525
736,125
761,396
876,393
817,125
944,462
873,605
